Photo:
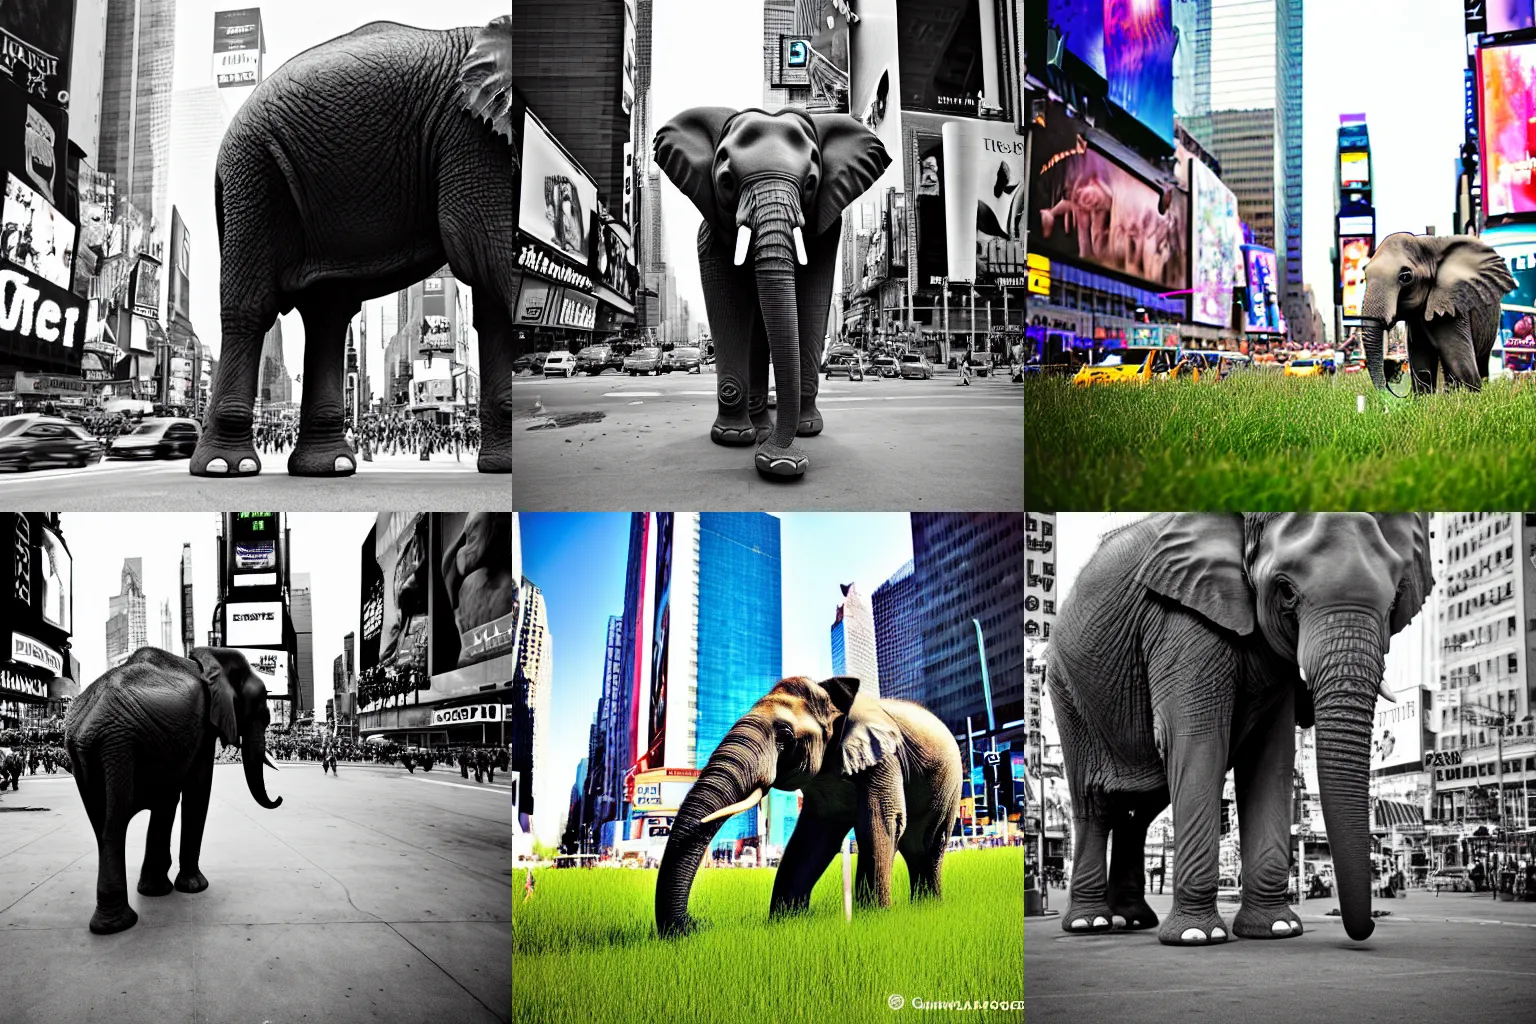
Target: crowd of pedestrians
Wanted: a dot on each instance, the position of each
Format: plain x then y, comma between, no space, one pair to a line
481,762
393,434
21,754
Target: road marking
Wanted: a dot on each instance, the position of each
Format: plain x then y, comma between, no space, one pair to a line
633,394
461,785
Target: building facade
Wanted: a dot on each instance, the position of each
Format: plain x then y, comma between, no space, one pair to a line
303,630
127,628
853,641
896,608
38,673
134,147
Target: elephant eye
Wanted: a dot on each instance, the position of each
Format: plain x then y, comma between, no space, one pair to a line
1286,592
1405,277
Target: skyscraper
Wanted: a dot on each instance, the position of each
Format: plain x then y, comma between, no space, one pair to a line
276,385
853,641
535,662
778,20
897,612
127,630
188,638
300,611
166,631
199,120
136,102
608,757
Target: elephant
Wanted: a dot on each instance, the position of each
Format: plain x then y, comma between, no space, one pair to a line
759,178
888,769
142,738
1191,644
1446,289
359,167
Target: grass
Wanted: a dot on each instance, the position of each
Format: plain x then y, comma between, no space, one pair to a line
1259,441
584,949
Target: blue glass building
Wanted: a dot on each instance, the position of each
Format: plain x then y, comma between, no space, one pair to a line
899,635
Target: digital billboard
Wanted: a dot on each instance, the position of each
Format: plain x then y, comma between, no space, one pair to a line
1085,207
474,567
179,301
1516,245
370,603
402,553
1138,46
144,288
557,196
34,138
984,202
237,47
35,236
932,238
660,639
1353,254
253,624
436,330
1218,238
874,87
1354,170
1081,25
55,581
254,539
1508,138
272,666
1509,15
1263,313
627,91
1396,736
98,196
36,40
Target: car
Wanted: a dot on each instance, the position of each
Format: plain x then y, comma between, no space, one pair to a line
885,366
915,366
1227,889
850,366
33,441
560,364
594,359
157,438
643,360
685,359
522,363
836,352
1304,368
1157,365
1455,878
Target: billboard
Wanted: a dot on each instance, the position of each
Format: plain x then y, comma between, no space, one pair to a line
436,330
660,639
471,715
36,40
823,54
627,82
1508,138
557,196
1081,25
932,238
178,301
794,61
1263,313
1354,170
98,196
984,201
272,666
34,141
237,47
33,651
1516,245
1129,45
1509,15
1396,733
1085,207
35,236
1218,238
253,624
370,604
402,553
473,562
55,581
144,288
40,321
948,55
253,551
1353,254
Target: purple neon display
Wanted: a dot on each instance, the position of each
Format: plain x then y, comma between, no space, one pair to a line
1263,313
1131,45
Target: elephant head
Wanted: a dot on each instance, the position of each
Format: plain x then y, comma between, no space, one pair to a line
1327,593
776,183
797,731
1448,286
237,711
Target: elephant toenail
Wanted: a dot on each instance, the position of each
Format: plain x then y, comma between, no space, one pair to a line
1192,935
247,465
1281,927
343,464
1218,933
1099,922
216,466
1119,921
1080,923
1135,922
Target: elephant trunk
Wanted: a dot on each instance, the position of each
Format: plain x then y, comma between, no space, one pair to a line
771,209
1373,310
733,780
1344,661
253,755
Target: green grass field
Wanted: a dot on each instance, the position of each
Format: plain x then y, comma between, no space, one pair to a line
1259,441
584,949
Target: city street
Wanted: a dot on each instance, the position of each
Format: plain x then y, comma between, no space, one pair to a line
389,481
1458,956
372,895
618,442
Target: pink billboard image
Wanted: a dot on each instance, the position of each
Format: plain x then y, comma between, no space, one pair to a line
1508,100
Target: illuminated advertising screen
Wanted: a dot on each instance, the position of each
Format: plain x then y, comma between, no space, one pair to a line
1516,245
826,56
1263,313
1508,138
35,236
932,239
1081,25
942,55
1509,15
1354,170
557,197
401,552
1353,254
1086,208
237,47
473,564
34,134
1358,225
370,603
253,624
55,585
1396,732
1129,44
985,202
179,301
254,538
272,666
1218,240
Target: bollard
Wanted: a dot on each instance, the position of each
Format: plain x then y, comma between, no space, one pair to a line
1359,403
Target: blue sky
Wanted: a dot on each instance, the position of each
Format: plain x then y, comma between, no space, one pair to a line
578,560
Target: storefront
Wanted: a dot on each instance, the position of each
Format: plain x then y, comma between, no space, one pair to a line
42,392
36,617
554,305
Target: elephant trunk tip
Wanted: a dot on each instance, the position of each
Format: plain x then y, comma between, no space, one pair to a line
1361,931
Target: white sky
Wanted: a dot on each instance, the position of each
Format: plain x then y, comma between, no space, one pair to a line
290,27
327,545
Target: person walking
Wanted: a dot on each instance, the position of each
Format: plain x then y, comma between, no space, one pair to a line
464,762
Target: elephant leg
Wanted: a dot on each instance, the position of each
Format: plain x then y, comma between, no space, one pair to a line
879,827
1087,899
154,877
194,816
113,914
1193,681
923,850
1452,337
813,297
730,300
494,325
322,449
1423,361
810,849
1265,764
1127,866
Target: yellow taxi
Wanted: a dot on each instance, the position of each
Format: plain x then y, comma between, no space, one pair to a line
1134,368
1305,367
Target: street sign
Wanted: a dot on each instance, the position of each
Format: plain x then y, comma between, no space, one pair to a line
993,757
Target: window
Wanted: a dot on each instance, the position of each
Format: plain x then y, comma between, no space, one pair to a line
1514,668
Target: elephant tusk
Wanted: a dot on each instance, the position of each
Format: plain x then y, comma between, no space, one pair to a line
800,247
743,239
1303,670
1385,691
268,760
736,808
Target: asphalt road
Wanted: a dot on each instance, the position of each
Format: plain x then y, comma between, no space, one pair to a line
371,895
615,443
1457,957
388,482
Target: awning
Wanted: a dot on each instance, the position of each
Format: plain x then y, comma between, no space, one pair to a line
1392,813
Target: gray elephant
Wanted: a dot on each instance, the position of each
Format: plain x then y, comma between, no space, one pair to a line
1446,289
142,738
359,167
776,185
888,769
1191,644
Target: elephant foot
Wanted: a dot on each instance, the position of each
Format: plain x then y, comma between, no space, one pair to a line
733,431
1254,922
497,460
322,458
810,418
785,463
1087,918
191,881
110,921
155,886
1133,915
679,928
214,457
1193,928
763,424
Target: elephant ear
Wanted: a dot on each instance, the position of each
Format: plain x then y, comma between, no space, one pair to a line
1470,274
1408,535
485,77
852,157
870,734
685,151
1197,560
221,696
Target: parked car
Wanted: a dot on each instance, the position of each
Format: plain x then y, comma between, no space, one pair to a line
537,366
523,362
835,352
1116,369
159,438
560,364
594,359
34,441
685,360
1304,368
645,360
850,366
885,366
915,366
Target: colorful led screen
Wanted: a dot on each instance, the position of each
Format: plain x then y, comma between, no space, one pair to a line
1129,44
1508,90
1218,240
1263,313
1354,170
1353,254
